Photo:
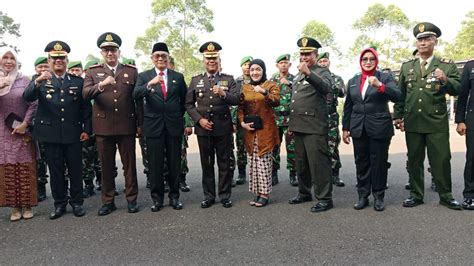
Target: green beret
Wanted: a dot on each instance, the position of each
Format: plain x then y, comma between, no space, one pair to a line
128,61
283,57
323,55
425,29
91,63
245,60
74,64
41,60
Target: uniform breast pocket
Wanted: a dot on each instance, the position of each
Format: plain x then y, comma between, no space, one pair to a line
100,115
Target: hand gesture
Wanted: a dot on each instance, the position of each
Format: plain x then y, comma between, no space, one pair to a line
247,126
439,74
303,68
374,81
461,129
206,124
218,90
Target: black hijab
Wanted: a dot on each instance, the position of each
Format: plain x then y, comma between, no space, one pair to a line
264,75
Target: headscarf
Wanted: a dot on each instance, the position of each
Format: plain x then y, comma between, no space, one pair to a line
13,75
264,74
366,74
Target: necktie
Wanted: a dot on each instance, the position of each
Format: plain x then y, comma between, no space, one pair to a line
162,83
211,80
60,79
423,68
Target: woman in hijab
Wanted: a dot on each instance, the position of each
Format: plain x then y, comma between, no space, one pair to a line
368,121
256,116
17,150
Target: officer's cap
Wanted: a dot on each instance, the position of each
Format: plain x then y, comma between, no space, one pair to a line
74,64
210,49
283,57
41,60
160,47
425,29
57,48
245,59
308,44
109,39
415,52
91,63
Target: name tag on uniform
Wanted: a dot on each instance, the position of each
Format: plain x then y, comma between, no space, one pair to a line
305,82
100,75
199,85
73,88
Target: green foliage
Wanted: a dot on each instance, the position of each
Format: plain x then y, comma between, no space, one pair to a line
463,46
8,28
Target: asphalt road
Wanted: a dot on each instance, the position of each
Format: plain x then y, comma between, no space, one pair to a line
277,234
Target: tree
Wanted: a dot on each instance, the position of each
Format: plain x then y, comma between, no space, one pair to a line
387,29
463,46
323,34
8,28
177,23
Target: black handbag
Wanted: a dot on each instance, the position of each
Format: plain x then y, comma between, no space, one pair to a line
13,120
255,119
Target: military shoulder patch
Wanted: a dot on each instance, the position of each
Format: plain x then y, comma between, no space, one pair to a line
224,74
198,75
132,66
446,60
95,66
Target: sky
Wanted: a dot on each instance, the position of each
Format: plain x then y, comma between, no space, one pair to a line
263,29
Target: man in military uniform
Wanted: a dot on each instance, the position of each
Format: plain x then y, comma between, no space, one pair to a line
422,114
208,99
309,123
63,121
465,120
239,131
114,122
285,80
41,65
334,138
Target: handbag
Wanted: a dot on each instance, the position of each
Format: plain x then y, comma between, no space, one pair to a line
13,120
255,119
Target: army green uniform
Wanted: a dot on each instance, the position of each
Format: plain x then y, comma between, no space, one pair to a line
423,109
239,138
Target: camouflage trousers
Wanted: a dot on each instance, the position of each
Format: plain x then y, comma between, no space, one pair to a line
290,150
142,143
232,155
241,152
42,166
90,161
334,139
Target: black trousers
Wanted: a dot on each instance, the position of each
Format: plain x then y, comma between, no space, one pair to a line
59,156
157,148
371,158
209,147
468,191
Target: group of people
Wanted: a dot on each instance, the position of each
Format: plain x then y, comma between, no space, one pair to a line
112,105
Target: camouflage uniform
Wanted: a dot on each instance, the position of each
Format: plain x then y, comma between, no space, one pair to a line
42,173
239,136
282,113
90,165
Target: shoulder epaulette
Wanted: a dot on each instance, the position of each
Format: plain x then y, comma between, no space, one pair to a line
411,60
95,66
224,74
197,75
74,77
446,60
130,65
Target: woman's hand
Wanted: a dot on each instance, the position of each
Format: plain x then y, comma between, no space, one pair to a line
4,82
259,89
21,129
374,81
346,136
247,126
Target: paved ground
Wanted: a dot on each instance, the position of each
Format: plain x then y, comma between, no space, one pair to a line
277,234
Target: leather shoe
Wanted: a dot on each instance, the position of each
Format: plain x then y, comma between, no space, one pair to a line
299,199
184,187
468,204
322,206
338,182
132,207
107,209
57,213
226,203
379,205
156,207
452,204
361,203
176,204
408,186
412,202
78,211
207,203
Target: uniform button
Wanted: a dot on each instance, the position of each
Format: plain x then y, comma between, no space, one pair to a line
62,100
62,119
210,97
115,100
305,113
470,110
419,110
421,89
62,109
41,121
292,101
420,100
115,91
292,111
422,78
295,91
116,109
436,111
211,105
62,91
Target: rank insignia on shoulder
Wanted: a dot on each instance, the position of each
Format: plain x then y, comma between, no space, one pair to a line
447,60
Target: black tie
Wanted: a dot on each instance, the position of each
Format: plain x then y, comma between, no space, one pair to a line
211,80
60,79
113,71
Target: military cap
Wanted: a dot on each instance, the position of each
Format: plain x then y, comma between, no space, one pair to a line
425,29
210,49
128,61
74,64
41,60
57,48
323,55
308,44
414,52
171,60
160,47
91,63
283,57
245,59
109,39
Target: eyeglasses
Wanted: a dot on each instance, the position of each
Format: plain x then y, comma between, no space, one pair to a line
368,59
109,49
158,56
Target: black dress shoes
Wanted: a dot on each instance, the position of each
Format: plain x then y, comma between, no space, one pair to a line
226,203
78,211
408,186
176,204
156,207
452,204
322,206
299,199
338,182
207,203
468,204
379,205
132,207
361,203
184,187
107,209
412,202
57,213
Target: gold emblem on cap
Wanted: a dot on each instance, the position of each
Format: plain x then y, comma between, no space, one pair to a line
304,42
58,47
211,47
421,28
109,38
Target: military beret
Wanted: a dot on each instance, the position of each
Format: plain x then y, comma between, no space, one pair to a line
160,47
425,29
283,57
109,39
128,61
308,44
57,48
74,64
414,52
91,63
245,59
323,55
210,49
171,60
41,60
